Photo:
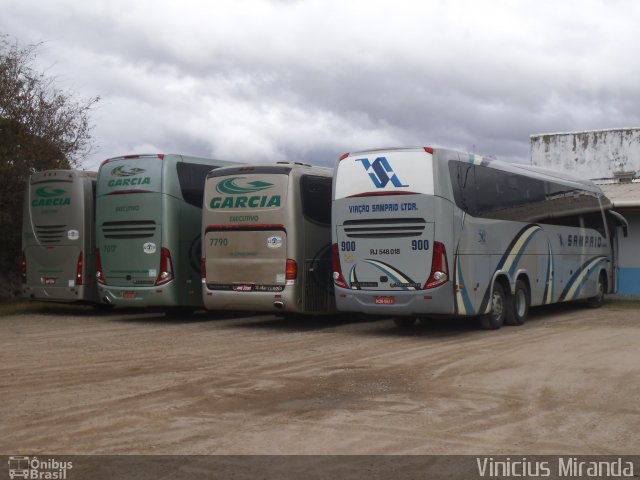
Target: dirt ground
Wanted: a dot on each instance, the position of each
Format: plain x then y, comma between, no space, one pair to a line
76,382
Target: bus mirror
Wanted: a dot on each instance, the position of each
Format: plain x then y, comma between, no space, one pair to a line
619,221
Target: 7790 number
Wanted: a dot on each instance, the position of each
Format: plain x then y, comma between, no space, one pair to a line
218,242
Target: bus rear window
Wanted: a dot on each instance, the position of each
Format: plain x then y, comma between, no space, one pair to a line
385,173
130,176
192,177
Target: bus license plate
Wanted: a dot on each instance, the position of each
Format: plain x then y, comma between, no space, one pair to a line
128,294
384,300
243,288
50,280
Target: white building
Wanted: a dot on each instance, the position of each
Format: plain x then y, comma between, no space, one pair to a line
611,158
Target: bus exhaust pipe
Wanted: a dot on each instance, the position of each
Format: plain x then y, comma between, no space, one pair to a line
278,304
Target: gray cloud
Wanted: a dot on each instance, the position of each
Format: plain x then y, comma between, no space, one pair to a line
309,80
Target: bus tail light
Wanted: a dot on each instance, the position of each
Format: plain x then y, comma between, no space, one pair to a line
23,268
99,274
337,270
203,268
291,272
79,265
439,267
166,267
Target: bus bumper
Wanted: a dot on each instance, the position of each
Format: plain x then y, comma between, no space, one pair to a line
80,293
156,296
436,301
288,300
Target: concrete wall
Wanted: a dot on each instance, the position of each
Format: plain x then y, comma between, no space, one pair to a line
595,154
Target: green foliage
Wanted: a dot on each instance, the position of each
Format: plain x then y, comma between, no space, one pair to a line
41,128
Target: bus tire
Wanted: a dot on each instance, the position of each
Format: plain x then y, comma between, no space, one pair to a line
597,300
404,322
499,306
519,310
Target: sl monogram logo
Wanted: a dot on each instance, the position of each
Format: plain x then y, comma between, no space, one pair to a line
382,172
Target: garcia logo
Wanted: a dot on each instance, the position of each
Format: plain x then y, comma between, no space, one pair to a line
241,198
123,173
230,187
50,196
382,172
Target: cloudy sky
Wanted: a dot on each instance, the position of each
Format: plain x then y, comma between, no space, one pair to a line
259,80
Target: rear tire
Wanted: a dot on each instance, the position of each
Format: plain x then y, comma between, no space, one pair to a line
499,306
404,322
519,305
598,299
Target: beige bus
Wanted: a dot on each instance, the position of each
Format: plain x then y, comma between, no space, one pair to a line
266,239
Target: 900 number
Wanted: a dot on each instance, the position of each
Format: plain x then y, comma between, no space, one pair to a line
419,244
348,246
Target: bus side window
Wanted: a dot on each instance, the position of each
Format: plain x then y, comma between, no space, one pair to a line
595,221
192,177
316,198
464,186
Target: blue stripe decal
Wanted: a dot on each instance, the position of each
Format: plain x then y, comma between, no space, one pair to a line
353,278
576,275
514,265
586,277
465,296
391,272
548,288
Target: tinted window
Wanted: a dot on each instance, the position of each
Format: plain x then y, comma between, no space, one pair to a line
316,198
490,193
191,177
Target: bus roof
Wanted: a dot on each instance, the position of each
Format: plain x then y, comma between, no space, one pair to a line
277,168
59,173
517,168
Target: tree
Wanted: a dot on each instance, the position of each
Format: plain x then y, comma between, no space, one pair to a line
41,127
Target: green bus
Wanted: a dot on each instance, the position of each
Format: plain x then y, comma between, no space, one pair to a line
58,237
148,215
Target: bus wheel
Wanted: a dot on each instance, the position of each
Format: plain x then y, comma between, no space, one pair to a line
495,318
598,300
404,322
520,306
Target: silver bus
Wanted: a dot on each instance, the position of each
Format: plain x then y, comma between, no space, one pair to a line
148,215
58,237
422,232
267,240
